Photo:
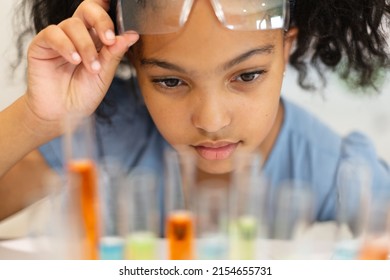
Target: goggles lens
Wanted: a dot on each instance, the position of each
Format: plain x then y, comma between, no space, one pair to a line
168,16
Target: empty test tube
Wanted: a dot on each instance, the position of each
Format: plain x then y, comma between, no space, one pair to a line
292,215
353,186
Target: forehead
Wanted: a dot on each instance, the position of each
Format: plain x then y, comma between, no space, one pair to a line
202,44
204,47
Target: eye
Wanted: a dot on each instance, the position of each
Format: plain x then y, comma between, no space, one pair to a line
249,76
168,82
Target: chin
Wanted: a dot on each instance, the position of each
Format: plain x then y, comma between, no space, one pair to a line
216,167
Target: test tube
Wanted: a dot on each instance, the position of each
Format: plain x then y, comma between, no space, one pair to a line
180,235
48,227
376,233
246,206
82,177
292,215
112,179
353,186
141,237
212,221
179,204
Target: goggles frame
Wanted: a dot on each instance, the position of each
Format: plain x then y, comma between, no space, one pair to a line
186,11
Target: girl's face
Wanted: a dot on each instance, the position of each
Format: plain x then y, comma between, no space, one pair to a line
213,91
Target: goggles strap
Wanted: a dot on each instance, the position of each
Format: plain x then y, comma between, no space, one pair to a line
292,5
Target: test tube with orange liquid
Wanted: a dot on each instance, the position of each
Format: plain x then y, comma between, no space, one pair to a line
82,175
372,250
180,235
376,235
179,199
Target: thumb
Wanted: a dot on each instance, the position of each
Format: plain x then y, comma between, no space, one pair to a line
110,56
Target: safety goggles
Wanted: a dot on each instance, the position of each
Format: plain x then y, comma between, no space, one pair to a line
169,16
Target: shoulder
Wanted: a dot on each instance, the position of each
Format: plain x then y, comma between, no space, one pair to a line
305,142
309,141
304,128
357,149
309,151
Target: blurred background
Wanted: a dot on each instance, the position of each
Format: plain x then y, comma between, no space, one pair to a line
340,107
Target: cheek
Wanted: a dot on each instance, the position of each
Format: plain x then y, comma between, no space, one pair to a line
171,118
257,115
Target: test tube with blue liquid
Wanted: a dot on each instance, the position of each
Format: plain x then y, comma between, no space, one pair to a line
179,204
112,180
142,210
212,221
246,206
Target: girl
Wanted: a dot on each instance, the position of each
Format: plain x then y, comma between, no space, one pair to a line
209,75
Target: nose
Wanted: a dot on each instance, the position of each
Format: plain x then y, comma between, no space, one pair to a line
211,113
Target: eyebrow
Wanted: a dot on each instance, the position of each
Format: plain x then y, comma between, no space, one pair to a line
263,50
267,49
162,64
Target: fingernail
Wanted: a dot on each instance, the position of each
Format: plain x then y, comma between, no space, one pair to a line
95,65
110,35
134,37
76,57
131,32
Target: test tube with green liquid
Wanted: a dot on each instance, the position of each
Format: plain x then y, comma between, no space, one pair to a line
246,206
141,237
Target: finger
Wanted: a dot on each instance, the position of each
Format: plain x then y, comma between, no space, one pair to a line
75,29
93,15
51,42
110,56
105,4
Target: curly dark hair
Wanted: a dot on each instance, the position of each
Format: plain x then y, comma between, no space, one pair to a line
347,36
347,32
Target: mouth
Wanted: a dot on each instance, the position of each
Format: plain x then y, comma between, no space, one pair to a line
216,150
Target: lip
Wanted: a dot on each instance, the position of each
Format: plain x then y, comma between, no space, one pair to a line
216,150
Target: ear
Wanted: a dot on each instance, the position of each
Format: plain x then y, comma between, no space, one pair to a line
289,39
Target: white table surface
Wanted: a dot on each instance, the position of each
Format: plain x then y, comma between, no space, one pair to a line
319,242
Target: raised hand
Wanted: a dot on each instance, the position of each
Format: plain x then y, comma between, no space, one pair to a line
71,65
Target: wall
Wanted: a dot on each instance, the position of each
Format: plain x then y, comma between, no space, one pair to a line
11,86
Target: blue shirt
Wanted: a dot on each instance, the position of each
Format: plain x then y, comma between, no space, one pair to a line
306,150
